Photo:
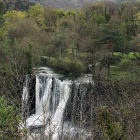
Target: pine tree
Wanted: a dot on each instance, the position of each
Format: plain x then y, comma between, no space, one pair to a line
114,41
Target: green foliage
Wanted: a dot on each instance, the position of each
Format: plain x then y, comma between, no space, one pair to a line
66,23
2,10
59,43
6,47
4,30
132,55
2,26
70,13
81,17
98,18
20,29
50,15
14,15
115,59
71,68
9,120
28,55
114,36
112,130
125,63
60,13
72,40
37,12
22,5
107,17
131,30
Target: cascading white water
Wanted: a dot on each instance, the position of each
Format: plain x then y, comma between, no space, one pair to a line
51,97
57,118
43,92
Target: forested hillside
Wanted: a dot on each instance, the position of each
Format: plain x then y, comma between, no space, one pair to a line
102,39
69,4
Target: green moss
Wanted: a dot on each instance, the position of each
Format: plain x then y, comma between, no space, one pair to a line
60,72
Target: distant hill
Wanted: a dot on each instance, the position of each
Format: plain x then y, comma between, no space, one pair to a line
69,3
63,3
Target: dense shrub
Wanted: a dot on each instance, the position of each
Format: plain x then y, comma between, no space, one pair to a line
112,129
9,120
114,59
125,63
72,68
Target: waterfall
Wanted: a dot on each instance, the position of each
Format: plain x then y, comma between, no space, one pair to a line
52,93
56,121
